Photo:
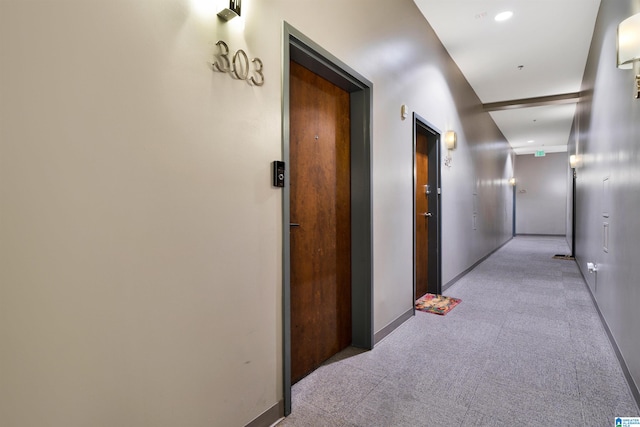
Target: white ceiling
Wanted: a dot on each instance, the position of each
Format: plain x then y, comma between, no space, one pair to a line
549,38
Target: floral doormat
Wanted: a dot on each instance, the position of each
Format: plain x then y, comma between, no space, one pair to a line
437,304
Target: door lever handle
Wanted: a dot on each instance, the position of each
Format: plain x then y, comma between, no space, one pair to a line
294,224
427,214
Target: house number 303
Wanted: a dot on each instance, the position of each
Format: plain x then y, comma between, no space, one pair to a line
238,66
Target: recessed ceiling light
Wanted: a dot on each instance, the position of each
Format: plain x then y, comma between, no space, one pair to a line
531,141
503,16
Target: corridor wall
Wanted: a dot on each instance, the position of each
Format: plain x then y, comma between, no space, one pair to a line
140,236
541,194
605,136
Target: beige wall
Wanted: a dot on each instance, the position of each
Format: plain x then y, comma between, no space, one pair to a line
541,194
140,239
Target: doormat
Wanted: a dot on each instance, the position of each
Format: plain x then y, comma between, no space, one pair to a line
565,257
437,304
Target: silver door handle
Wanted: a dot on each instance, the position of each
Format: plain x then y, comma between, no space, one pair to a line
427,214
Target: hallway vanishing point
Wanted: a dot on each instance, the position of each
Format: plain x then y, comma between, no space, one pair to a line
525,347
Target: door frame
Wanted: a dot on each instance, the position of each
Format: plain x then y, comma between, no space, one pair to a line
299,48
435,243
513,225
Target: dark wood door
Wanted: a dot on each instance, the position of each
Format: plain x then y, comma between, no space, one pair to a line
422,220
321,220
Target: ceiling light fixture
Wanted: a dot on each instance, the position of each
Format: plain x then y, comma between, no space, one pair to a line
531,141
503,16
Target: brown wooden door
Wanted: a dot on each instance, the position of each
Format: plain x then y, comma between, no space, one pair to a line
321,220
422,221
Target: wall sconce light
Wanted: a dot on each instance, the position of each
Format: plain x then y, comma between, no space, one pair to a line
573,161
230,12
404,111
450,141
512,182
628,46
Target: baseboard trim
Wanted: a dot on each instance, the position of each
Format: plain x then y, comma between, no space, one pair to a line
633,387
540,235
464,273
379,336
269,417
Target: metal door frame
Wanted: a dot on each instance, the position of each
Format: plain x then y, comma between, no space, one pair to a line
299,48
420,124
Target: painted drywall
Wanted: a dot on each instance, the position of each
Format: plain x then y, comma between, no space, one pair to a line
407,65
606,134
541,194
140,239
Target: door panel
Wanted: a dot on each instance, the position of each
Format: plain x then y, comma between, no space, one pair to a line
321,205
422,221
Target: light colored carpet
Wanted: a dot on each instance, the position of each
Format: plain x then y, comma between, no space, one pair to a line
538,357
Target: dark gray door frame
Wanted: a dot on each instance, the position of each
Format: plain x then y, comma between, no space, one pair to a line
513,225
302,50
420,125
574,178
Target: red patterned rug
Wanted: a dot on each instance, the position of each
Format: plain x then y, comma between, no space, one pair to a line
437,304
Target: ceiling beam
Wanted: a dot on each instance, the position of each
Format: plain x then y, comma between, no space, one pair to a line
565,98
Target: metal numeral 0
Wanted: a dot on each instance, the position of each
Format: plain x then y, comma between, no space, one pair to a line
239,66
242,66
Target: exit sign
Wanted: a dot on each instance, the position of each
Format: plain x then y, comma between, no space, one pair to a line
540,153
